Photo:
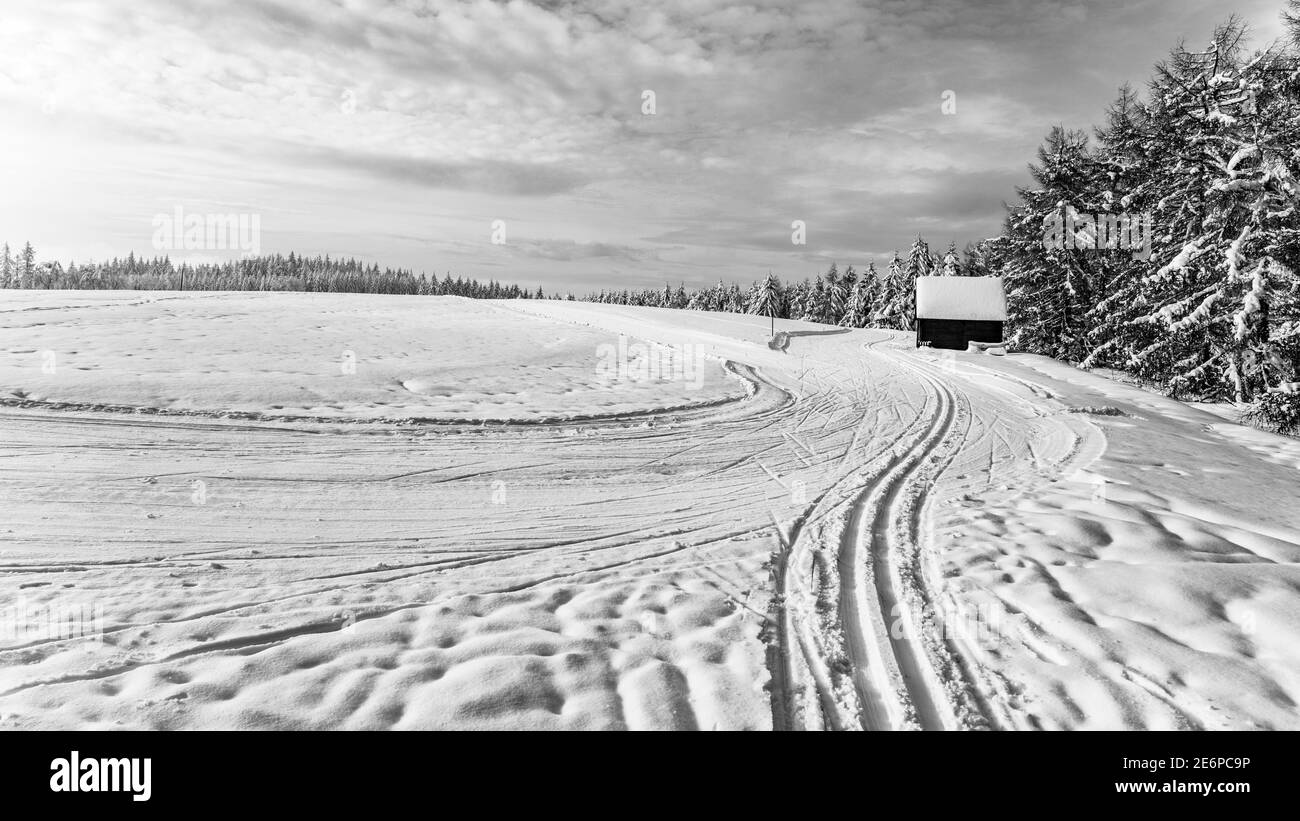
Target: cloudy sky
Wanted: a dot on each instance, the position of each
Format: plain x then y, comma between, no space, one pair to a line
400,131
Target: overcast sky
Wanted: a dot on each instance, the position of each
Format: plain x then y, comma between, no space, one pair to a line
400,131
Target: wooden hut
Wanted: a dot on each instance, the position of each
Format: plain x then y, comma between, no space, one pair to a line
952,312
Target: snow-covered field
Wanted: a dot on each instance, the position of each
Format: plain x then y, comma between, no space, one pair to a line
319,356
275,510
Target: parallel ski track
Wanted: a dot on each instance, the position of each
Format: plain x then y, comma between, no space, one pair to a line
802,649
894,680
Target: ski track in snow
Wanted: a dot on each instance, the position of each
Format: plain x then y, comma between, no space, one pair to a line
805,556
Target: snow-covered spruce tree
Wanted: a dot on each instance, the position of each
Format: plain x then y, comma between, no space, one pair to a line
835,297
815,301
951,265
735,300
717,300
975,258
920,263
1224,296
899,294
849,279
861,307
897,302
1049,268
797,297
919,259
876,287
880,316
767,301
1127,162
680,299
27,266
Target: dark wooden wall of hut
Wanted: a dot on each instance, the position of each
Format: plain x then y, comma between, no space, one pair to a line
954,334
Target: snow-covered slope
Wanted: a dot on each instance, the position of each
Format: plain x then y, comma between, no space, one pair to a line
866,536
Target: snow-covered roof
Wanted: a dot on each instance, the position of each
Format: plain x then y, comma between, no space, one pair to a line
975,298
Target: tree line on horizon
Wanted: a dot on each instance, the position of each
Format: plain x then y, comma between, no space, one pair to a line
272,272
853,299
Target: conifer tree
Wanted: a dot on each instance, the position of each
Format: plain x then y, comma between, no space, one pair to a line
767,301
951,263
861,305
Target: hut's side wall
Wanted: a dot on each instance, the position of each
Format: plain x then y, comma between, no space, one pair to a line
954,334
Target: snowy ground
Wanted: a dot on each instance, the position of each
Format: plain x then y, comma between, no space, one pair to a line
848,534
317,356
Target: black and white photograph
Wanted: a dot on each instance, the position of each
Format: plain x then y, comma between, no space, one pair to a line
467,365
